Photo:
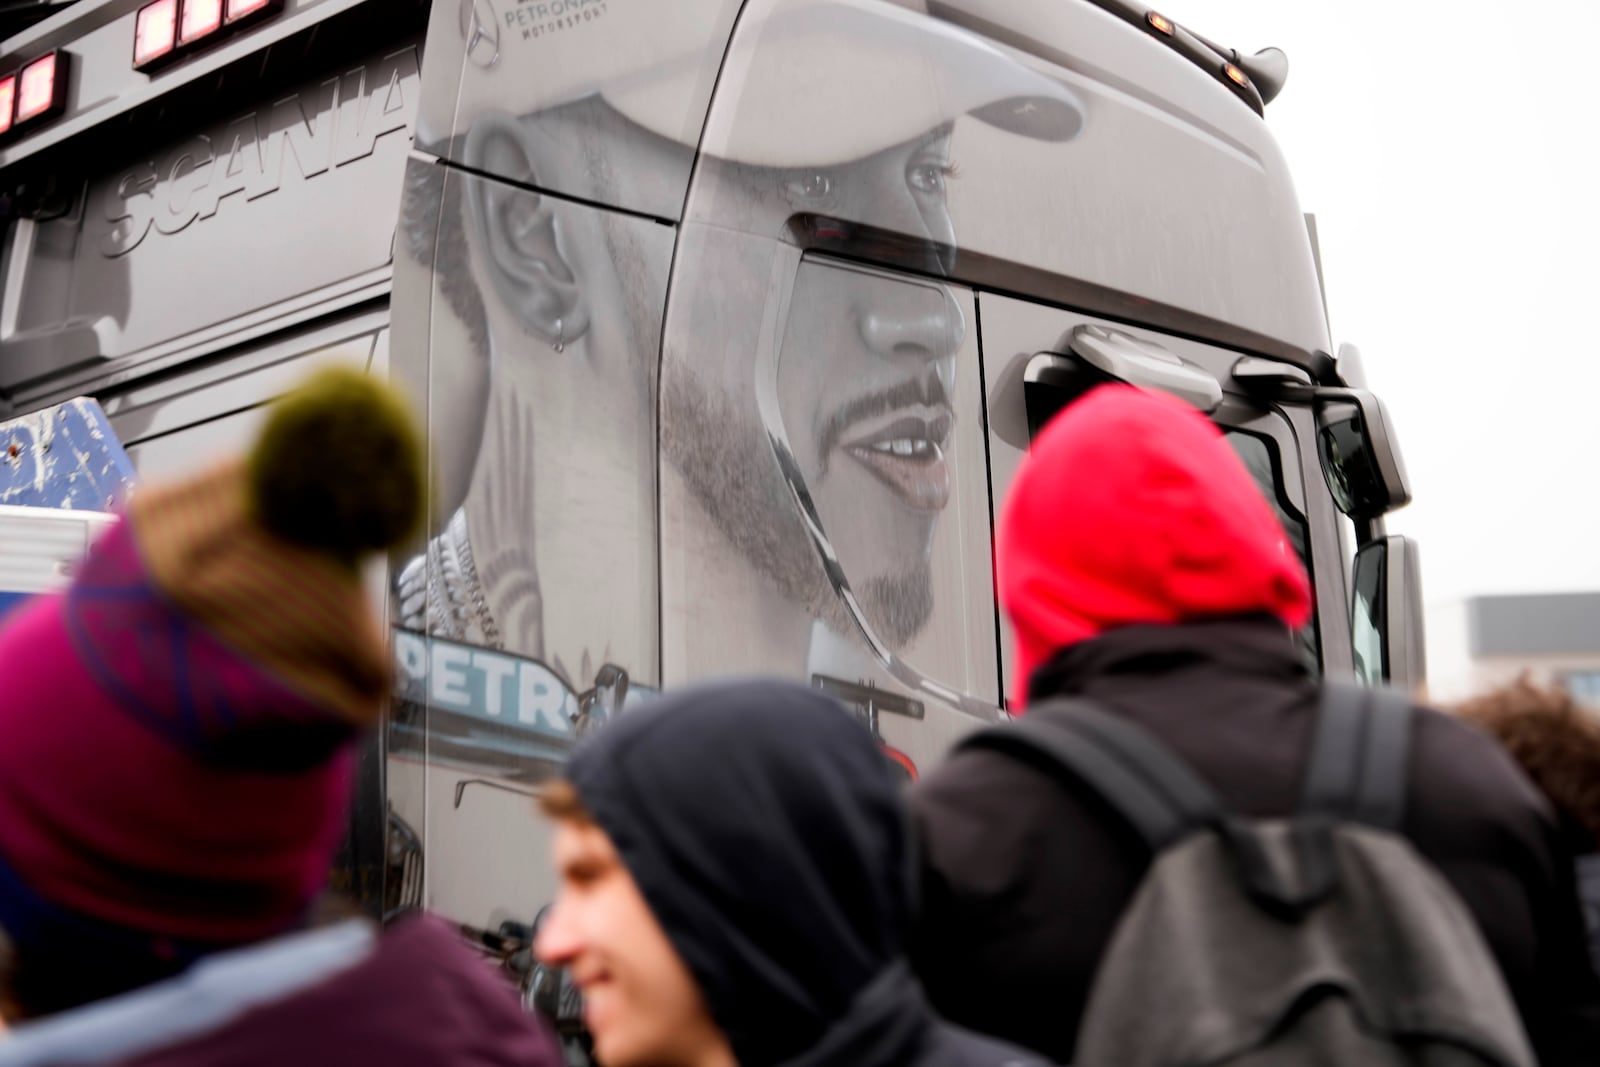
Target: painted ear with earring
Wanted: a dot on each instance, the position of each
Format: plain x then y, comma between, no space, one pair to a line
520,235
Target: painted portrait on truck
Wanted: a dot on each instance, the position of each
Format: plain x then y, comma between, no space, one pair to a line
557,337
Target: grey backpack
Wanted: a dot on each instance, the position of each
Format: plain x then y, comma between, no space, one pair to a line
1320,939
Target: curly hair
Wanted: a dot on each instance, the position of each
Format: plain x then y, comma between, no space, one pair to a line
1556,742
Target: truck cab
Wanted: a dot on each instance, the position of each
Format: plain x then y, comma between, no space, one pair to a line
730,321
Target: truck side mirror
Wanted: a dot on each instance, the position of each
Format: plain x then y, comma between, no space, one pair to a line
1360,458
1386,626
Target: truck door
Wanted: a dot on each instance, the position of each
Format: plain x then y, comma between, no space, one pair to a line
824,488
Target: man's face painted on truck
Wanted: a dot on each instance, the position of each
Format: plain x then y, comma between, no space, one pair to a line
864,381
864,377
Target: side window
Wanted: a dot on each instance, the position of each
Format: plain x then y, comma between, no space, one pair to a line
1019,401
1264,461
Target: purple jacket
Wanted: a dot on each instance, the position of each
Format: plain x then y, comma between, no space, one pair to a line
412,996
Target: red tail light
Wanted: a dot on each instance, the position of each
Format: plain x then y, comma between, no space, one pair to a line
8,100
200,19
41,88
238,9
155,32
167,30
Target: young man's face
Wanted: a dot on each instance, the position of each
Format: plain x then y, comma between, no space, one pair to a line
641,1004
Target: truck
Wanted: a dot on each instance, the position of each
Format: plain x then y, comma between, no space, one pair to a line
730,321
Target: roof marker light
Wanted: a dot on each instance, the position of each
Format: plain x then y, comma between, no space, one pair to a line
41,88
200,18
155,32
239,9
1235,75
1160,22
8,100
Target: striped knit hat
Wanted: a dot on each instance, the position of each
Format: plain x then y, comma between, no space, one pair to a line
177,727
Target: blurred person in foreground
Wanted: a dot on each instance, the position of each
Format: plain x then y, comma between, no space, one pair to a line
1141,569
1557,742
737,888
179,731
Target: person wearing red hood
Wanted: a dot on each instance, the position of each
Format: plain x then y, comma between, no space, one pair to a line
178,735
1140,568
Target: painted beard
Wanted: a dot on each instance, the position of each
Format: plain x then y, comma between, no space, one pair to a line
721,453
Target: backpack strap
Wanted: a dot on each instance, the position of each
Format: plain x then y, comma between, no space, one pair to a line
1358,764
1360,757
1158,795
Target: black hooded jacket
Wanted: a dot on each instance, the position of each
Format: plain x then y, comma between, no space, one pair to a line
762,826
1026,876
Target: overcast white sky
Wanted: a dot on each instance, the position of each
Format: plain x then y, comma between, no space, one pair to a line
1449,152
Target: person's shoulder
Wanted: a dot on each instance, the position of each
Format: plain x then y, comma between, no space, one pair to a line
984,806
421,934
1457,755
1463,777
975,777
423,944
444,997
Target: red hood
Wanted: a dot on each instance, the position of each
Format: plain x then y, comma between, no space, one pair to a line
1132,508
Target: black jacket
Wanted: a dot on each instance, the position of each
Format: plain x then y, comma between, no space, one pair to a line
1024,877
762,826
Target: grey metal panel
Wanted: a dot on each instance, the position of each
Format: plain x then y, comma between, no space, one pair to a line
529,328
558,490
1534,624
194,243
602,100
244,380
1074,159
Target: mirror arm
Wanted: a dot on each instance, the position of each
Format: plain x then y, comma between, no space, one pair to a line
1283,391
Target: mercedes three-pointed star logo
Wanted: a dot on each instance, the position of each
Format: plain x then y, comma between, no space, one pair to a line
482,30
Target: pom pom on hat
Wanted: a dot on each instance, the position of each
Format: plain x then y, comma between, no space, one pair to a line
338,466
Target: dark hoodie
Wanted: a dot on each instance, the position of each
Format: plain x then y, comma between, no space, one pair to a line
760,822
1140,567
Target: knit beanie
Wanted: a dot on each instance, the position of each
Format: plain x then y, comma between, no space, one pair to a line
1131,508
177,726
